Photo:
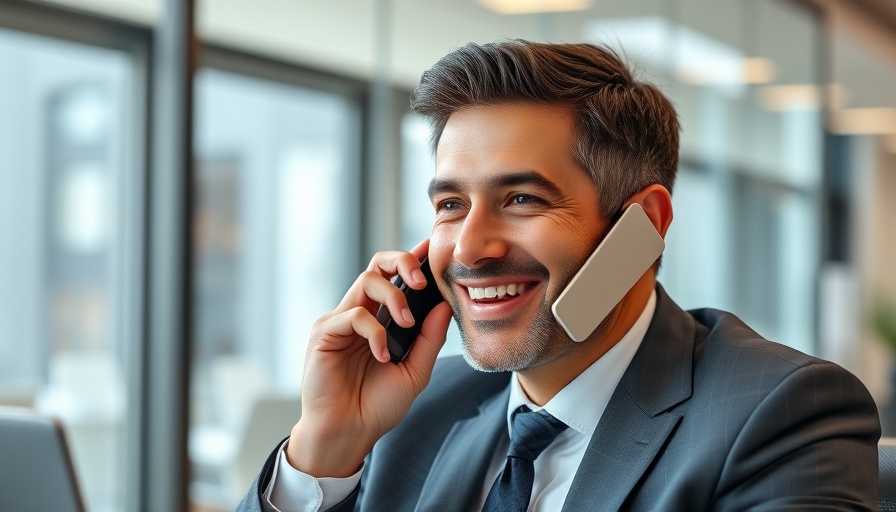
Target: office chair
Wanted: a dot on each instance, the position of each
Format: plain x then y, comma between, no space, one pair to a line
887,477
231,467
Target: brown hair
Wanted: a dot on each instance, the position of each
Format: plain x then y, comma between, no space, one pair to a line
626,130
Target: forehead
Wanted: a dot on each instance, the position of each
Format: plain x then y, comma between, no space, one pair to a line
479,141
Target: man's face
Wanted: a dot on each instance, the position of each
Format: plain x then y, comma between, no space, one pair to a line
516,217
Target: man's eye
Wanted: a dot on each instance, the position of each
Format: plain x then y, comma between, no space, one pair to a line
448,206
524,199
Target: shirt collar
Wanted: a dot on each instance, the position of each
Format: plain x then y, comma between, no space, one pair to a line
582,402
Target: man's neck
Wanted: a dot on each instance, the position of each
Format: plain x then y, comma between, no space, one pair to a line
543,382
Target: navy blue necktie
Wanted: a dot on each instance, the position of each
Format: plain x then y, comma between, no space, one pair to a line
532,433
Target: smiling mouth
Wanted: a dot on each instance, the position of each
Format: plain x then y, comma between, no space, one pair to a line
496,293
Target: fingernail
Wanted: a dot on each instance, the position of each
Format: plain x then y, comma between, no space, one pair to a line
386,356
406,314
418,276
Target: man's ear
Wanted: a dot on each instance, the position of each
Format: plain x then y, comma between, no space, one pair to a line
657,204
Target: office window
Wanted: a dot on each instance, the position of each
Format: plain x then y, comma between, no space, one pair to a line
746,232
751,118
276,244
418,166
65,161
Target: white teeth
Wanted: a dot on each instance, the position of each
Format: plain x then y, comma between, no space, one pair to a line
499,292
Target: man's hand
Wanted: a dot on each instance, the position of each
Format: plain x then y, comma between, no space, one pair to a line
351,393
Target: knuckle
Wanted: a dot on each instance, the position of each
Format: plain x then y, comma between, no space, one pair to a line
357,313
378,258
319,326
367,275
319,323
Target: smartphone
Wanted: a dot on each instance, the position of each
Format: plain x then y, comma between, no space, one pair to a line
400,339
629,249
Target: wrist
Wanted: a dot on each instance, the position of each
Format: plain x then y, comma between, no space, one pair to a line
324,455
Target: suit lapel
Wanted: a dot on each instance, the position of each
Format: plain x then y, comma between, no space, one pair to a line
617,456
638,419
458,471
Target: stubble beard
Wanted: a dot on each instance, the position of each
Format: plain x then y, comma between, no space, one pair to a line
543,342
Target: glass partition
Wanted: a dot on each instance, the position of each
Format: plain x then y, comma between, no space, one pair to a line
276,244
66,159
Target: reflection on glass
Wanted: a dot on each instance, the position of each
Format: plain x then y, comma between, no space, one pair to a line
276,244
61,169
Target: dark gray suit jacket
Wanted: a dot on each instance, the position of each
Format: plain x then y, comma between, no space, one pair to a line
708,416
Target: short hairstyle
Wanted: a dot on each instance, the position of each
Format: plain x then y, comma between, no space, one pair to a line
626,130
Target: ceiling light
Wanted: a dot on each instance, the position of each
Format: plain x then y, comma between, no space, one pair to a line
726,70
757,70
780,98
863,121
534,6
690,55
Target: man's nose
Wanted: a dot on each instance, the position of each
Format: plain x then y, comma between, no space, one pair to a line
481,238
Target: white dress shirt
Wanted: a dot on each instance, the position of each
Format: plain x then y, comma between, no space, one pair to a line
580,405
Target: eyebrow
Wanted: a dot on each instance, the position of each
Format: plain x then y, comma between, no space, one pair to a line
514,179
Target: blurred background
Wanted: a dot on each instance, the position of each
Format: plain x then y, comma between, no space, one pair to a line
165,322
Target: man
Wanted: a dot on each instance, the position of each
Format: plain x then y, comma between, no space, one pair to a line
538,148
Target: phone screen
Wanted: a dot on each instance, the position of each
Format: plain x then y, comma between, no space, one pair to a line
400,339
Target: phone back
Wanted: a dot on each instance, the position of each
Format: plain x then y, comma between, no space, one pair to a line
628,250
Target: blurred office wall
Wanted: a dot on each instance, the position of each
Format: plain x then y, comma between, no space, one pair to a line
307,161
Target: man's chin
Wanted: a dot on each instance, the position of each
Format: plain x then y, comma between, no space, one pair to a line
517,342
488,354
490,364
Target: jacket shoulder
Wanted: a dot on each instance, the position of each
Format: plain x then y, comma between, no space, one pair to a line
726,332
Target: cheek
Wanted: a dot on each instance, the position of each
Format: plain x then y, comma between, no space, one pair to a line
563,263
441,249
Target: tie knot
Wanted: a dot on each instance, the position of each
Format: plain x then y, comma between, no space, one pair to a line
532,433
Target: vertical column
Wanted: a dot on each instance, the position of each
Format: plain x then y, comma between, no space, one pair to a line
381,219
165,473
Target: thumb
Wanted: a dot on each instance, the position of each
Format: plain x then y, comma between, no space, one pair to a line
431,339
